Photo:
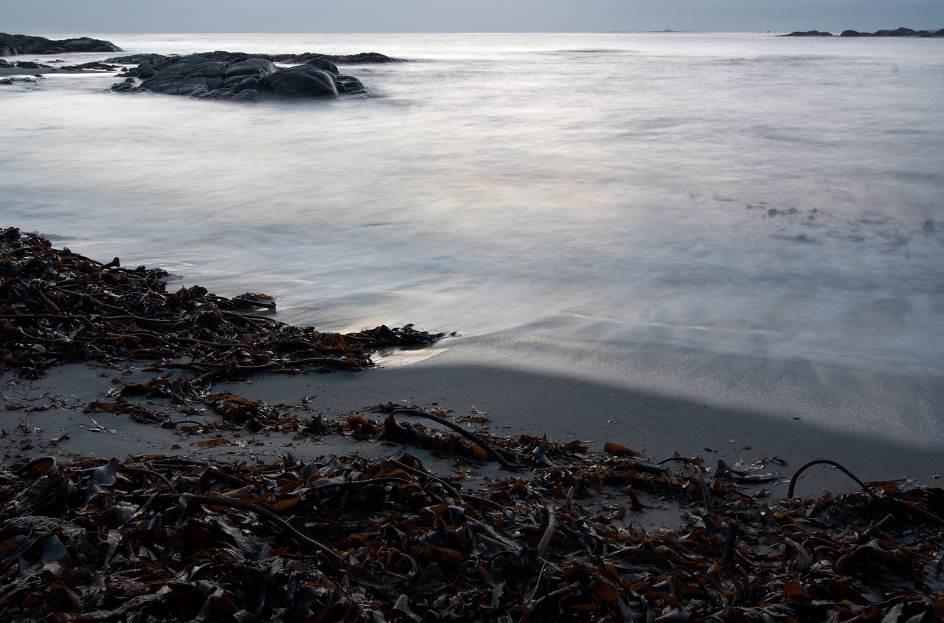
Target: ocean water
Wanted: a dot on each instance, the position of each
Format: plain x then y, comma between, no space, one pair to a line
742,194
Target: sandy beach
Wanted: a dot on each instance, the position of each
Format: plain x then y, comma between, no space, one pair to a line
517,401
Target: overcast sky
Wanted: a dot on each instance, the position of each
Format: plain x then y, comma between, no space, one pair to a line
110,16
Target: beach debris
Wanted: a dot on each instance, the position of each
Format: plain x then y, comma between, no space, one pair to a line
347,538
59,307
98,428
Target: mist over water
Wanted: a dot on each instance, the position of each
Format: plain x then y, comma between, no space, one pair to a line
744,194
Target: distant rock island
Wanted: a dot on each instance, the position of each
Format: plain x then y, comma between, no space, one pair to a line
15,45
898,32
245,77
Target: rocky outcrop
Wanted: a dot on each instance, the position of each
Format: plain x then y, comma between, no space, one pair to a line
898,32
322,61
233,75
809,33
13,45
93,67
30,65
135,59
303,81
15,79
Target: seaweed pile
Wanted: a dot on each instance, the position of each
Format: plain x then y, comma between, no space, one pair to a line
158,538
58,307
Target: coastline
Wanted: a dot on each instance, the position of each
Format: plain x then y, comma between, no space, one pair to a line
755,437
558,407
654,398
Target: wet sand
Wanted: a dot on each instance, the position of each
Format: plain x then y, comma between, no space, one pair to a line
566,408
563,407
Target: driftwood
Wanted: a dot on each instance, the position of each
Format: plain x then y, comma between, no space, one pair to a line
476,439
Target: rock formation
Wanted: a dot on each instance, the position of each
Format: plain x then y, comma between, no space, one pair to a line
898,32
809,33
13,45
234,75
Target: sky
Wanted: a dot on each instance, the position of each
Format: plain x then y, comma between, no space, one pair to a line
116,16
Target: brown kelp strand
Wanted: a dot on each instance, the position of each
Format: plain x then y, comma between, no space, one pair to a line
163,538
57,307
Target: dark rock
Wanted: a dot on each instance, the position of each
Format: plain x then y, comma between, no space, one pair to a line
31,65
234,75
187,78
4,63
303,81
251,67
323,63
291,59
128,84
14,79
898,32
94,66
364,58
13,45
809,33
135,59
238,84
349,85
249,95
149,68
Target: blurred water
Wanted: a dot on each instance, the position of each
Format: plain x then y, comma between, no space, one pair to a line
746,194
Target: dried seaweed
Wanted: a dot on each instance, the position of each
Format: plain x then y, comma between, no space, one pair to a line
155,538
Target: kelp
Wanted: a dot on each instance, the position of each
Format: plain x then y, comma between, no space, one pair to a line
164,538
57,306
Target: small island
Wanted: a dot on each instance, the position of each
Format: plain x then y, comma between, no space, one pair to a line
898,32
16,45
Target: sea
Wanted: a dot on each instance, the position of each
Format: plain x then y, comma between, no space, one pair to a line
637,208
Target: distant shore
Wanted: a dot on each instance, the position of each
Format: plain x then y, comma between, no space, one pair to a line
897,32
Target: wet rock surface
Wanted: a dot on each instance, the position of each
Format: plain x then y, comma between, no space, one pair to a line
238,76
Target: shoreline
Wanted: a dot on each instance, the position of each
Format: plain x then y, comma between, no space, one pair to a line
158,436
515,402
531,389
